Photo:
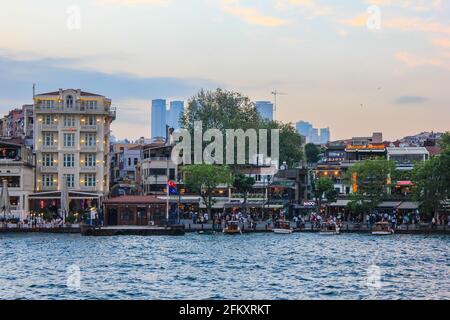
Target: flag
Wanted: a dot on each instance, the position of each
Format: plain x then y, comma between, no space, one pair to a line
172,187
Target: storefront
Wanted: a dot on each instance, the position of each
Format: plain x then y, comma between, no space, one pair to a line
134,210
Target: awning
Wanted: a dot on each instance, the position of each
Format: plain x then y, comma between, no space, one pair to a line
389,204
405,183
339,203
408,205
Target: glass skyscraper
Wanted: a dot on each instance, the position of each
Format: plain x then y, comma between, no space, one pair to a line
174,113
265,109
158,118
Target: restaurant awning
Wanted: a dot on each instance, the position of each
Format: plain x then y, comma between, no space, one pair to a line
408,205
389,204
339,203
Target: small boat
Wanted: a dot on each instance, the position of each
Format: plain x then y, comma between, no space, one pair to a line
232,227
282,227
382,229
206,232
329,229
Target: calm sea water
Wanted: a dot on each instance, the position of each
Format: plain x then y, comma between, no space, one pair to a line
258,266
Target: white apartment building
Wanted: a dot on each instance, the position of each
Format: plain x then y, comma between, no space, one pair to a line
71,139
16,166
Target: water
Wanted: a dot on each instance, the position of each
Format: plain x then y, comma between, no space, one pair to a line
256,266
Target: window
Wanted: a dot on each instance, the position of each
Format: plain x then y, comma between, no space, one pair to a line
48,119
47,159
129,161
47,104
48,139
69,102
70,180
90,121
69,139
69,160
135,161
89,160
89,180
69,121
47,180
91,105
13,181
90,139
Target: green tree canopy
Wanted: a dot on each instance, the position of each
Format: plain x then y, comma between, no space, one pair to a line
432,180
244,185
203,179
223,109
372,182
324,187
312,153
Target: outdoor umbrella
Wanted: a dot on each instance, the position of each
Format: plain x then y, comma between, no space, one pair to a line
4,200
64,200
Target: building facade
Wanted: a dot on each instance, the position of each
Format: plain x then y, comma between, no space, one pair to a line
265,109
17,167
158,118
71,139
174,114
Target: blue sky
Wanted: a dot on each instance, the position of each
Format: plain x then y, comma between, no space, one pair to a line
321,53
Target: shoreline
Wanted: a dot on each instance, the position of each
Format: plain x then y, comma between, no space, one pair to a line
127,230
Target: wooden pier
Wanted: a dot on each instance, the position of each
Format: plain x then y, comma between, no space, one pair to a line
175,230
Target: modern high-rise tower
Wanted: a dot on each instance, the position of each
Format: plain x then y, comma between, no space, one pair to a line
265,109
158,118
174,113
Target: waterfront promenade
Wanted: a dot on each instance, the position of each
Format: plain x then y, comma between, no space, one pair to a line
261,227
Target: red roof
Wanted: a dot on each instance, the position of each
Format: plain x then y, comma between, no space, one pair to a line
134,200
405,183
434,150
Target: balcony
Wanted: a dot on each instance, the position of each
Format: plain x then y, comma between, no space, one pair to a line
53,147
85,148
49,169
77,108
48,188
86,127
87,188
48,127
88,169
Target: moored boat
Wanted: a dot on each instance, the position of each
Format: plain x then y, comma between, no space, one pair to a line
329,229
282,227
232,227
382,229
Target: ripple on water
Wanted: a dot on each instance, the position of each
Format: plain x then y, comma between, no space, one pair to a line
259,266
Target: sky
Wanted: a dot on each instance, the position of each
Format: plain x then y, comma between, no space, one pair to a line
356,66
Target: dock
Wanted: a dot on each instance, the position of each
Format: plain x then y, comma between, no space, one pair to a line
175,230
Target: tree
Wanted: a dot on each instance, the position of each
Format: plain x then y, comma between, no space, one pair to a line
312,153
324,187
432,180
244,185
372,181
203,179
222,109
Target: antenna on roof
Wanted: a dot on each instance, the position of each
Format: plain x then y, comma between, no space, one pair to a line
34,90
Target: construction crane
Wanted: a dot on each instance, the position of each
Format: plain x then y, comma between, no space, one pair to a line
275,94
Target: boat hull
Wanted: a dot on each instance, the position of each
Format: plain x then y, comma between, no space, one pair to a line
329,233
382,233
282,231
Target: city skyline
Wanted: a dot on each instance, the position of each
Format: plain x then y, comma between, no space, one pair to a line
397,72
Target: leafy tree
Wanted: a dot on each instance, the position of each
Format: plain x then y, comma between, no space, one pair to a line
432,180
312,153
222,109
203,179
244,185
372,182
324,187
